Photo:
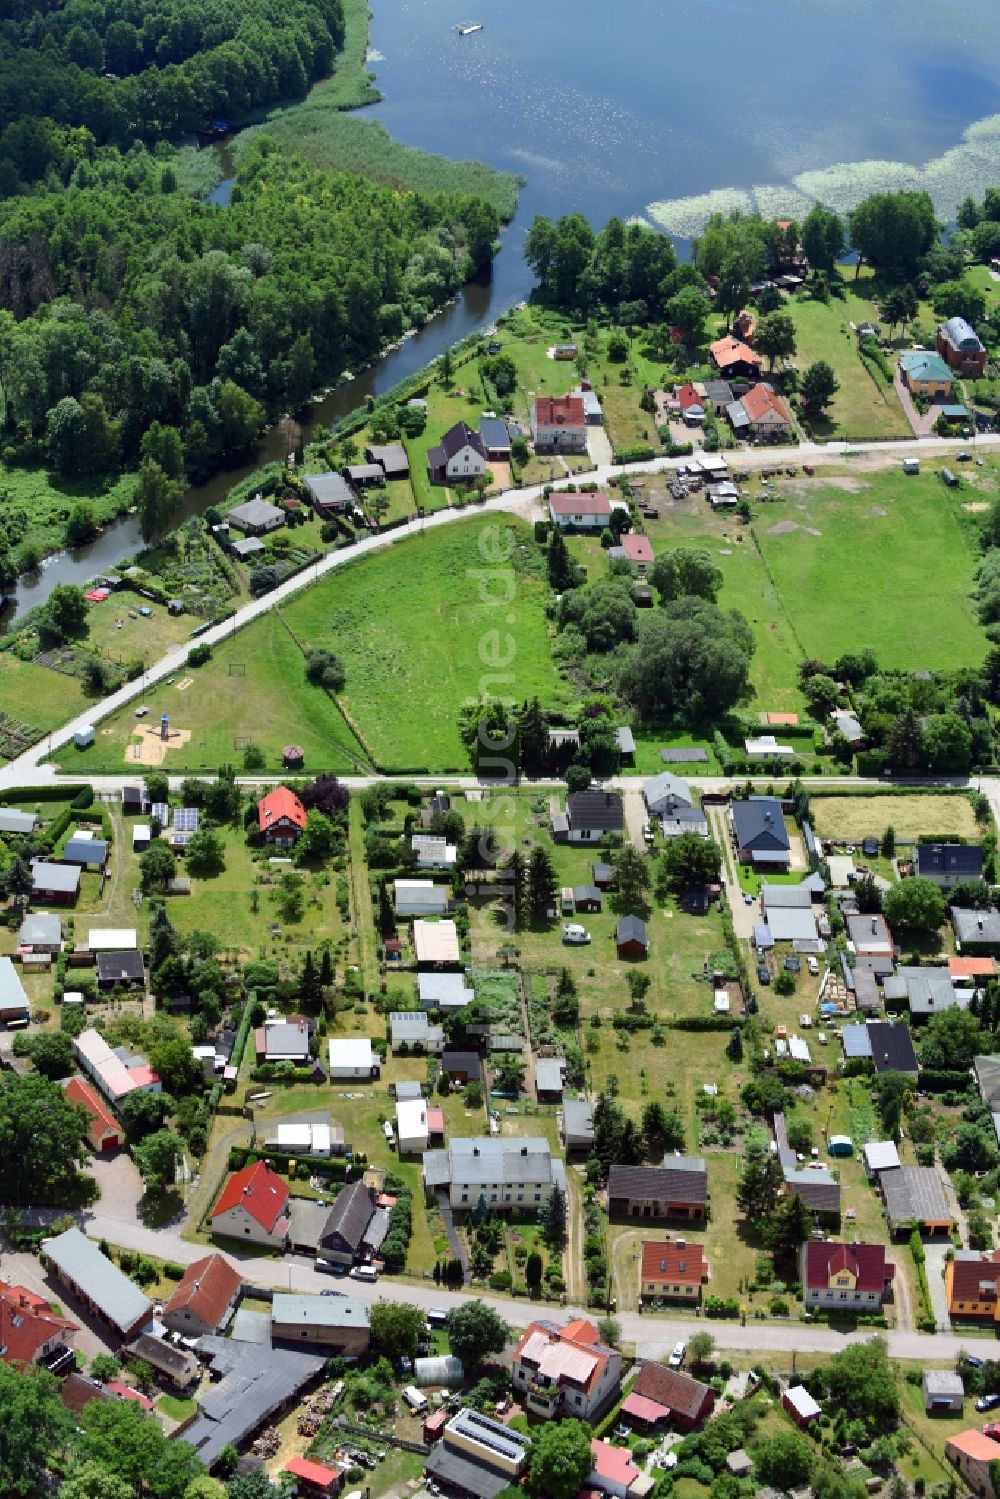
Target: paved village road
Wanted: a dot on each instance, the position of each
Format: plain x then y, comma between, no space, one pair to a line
514,501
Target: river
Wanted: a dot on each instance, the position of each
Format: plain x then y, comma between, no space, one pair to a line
639,108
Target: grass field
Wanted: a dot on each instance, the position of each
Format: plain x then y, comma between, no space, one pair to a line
861,408
36,696
852,566
854,817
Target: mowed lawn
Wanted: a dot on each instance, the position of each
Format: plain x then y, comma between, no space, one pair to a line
33,695
881,562
862,407
848,818
415,627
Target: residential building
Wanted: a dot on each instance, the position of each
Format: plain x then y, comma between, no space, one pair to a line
613,1472
800,1405
577,1128
587,899
412,1132
760,833
845,1277
691,405
734,358
32,1333
974,1454
204,1298
391,458
256,517
565,1371
849,727
342,1240
459,456
976,931
477,1455
580,512
516,1172
892,1047
813,1182
972,1284
914,1197
284,1040
671,1270
412,1029
878,1156
316,1138
631,937
103,1130
549,1077
635,550
117,1072
338,1324
177,1366
667,794
330,493
40,932
870,935
253,1206
559,424
461,1066
12,820
15,1009
353,1057
719,395
121,970
660,1394
419,898
592,408
961,348
495,436
362,475
926,375
55,882
594,815
948,864
768,418
677,1189
79,1264
435,944
444,991
433,852
281,817
944,1392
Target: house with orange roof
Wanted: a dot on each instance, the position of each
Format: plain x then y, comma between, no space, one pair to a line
767,417
565,1371
733,357
671,1271
253,1207
103,1129
972,1454
972,1285
966,969
281,817
204,1298
32,1333
613,1470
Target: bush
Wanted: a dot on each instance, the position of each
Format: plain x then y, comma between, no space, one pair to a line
83,799
199,655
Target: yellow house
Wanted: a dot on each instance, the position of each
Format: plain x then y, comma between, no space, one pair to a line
926,375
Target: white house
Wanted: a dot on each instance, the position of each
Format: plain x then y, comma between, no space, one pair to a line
559,424
419,898
411,1126
433,852
582,512
459,455
514,1173
353,1057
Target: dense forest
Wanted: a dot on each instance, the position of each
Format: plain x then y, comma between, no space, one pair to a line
140,325
160,69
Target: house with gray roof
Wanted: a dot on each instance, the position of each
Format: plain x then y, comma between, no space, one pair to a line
444,991
792,924
90,853
986,1071
256,517
665,793
343,1238
677,1189
929,991
976,931
549,1072
760,833
518,1172
12,820
577,1124
330,493
391,458
412,1029
336,1323
459,456
495,437
55,882
856,1042
90,1276
40,931
948,864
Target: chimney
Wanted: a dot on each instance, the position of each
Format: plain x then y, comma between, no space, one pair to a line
524,1150
475,1150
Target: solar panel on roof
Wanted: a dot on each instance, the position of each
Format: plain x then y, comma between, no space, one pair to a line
185,820
161,812
683,755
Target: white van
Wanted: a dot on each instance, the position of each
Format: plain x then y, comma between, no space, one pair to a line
414,1399
365,1272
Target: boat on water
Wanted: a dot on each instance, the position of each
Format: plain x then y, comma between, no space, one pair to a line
466,28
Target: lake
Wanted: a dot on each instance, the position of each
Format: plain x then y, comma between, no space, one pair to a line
639,108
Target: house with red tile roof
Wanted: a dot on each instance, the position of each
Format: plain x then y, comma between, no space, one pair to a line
103,1129
660,1394
580,512
733,357
565,1371
768,418
253,1207
205,1295
281,817
613,1470
845,1277
973,1454
313,1478
31,1332
971,968
669,1271
559,424
692,405
972,1285
638,551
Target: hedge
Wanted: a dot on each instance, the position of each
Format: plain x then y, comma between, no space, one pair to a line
41,793
239,1045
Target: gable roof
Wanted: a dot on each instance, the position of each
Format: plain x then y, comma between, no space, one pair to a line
559,411
761,402
866,1262
914,1194
594,502
458,437
667,787
631,929
671,1389
27,1322
975,1277
600,810
729,350
494,432
570,1354
206,1288
963,860
101,1120
680,1179
61,878
976,1445
80,1261
280,803
255,512
259,1190
637,548
892,1046
350,1215
329,491
666,1261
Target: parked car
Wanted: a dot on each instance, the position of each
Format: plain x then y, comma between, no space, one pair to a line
987,1402
813,964
677,1357
763,974
747,899
805,1021
574,935
992,1429
963,457
647,832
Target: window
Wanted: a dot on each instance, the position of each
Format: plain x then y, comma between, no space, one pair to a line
465,1196
538,1196
843,1295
